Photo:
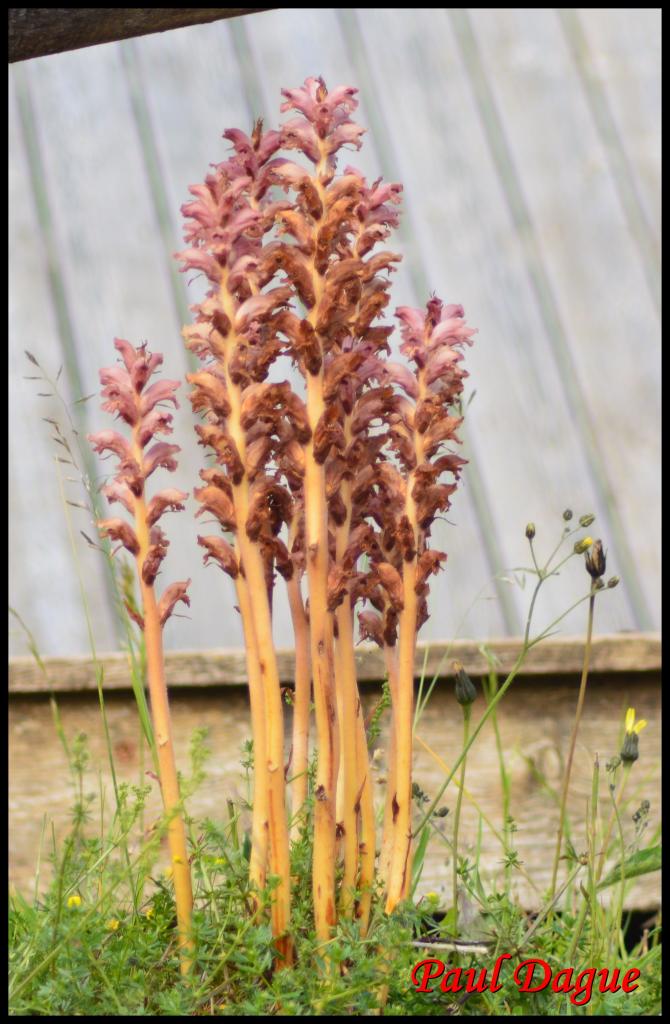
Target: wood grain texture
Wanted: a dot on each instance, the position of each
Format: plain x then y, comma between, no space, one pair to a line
553,657
123,125
37,31
560,174
534,720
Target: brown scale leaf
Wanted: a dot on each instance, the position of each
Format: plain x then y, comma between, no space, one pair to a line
391,580
121,531
328,434
225,448
209,394
280,256
218,503
219,550
169,598
269,507
158,545
164,500
429,562
371,627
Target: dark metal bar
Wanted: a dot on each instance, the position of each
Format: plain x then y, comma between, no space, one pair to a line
38,31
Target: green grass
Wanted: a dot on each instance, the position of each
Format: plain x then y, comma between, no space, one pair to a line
101,940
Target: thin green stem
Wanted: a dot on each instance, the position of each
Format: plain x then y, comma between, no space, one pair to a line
467,712
573,742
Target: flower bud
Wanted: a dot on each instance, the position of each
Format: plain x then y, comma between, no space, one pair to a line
582,545
530,531
598,584
630,750
596,561
586,520
567,515
465,690
612,582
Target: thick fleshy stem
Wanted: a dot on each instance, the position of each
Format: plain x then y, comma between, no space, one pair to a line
301,699
259,810
160,712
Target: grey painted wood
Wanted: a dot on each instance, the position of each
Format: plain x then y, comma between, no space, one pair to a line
595,277
43,586
124,128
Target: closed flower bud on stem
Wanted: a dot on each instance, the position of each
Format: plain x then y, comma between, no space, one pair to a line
530,531
586,520
567,515
612,582
465,689
630,749
582,545
596,561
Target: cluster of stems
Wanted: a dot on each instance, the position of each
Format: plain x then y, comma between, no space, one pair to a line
333,484
337,482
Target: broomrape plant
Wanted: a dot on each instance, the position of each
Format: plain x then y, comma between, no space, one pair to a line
126,393
336,483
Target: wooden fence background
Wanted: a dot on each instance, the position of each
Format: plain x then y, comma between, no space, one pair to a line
528,144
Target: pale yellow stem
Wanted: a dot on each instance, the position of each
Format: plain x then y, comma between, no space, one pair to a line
160,713
301,697
259,811
387,832
401,863
321,640
254,569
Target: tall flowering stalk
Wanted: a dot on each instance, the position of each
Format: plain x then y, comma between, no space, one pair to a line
420,424
248,420
127,393
334,225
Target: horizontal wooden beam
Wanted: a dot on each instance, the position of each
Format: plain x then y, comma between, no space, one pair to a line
621,652
38,31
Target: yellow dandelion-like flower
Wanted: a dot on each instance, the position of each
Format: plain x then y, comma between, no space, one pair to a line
631,725
432,896
149,912
219,860
113,924
74,901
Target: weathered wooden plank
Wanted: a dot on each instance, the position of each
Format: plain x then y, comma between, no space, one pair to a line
38,533
534,721
621,57
591,289
556,656
37,31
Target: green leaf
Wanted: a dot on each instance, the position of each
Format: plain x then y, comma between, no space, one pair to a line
641,863
419,854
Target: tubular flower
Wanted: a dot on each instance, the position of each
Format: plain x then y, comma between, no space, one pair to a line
127,393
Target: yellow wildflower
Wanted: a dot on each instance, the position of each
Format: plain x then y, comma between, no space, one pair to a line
113,924
149,912
631,725
74,901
